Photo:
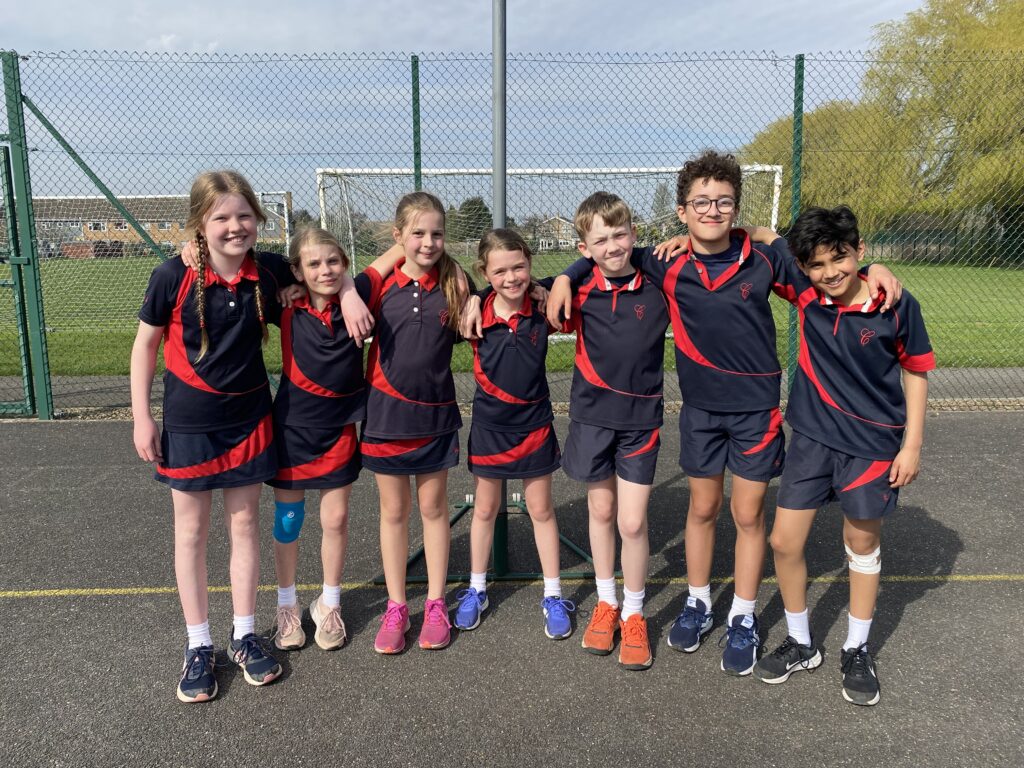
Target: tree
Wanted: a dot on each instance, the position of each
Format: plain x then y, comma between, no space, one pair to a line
302,217
474,217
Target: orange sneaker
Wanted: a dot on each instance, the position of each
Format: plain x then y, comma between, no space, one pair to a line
599,636
635,648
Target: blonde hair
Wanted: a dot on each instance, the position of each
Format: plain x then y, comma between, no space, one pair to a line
409,207
611,208
499,240
313,235
207,189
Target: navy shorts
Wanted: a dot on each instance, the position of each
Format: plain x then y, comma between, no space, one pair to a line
596,453
513,455
816,474
411,456
308,457
752,444
227,458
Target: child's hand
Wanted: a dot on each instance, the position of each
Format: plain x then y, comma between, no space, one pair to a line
559,304
147,440
472,324
358,319
669,249
880,278
290,293
905,467
189,255
539,294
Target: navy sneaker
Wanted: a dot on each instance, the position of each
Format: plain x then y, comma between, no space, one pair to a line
258,666
690,628
742,645
471,605
198,682
557,625
788,658
860,679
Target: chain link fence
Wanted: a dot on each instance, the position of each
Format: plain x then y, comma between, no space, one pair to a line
925,151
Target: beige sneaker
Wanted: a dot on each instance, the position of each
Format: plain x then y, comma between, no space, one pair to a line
289,635
330,629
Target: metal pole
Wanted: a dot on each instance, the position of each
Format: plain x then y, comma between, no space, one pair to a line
498,112
794,204
417,156
27,257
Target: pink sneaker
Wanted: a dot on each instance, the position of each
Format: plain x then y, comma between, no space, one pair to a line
436,632
393,626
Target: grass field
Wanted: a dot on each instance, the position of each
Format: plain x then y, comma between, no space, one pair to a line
973,315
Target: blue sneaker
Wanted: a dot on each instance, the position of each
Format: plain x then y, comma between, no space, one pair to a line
742,645
198,682
471,605
557,625
258,666
690,628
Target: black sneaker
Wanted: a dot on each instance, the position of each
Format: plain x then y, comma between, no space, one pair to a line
860,680
198,682
258,666
788,658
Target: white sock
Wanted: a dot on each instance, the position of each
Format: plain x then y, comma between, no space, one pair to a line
286,595
244,625
198,634
606,591
798,627
553,587
632,602
478,581
702,593
331,596
741,607
856,633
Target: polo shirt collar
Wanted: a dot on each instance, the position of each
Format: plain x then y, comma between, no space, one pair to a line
604,284
428,282
870,305
247,271
489,317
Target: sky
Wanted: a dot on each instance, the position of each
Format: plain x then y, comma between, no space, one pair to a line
414,26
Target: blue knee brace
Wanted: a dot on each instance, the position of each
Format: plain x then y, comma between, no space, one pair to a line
288,517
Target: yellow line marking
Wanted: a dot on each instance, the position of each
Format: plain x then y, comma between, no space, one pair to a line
16,594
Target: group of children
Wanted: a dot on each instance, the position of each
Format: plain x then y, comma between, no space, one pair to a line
856,435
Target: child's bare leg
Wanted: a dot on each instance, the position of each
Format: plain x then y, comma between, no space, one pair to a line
395,506
788,539
486,503
191,530
701,518
334,521
602,512
537,491
632,524
241,513
432,494
863,537
751,542
286,555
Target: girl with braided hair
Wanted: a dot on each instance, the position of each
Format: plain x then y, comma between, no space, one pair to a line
217,431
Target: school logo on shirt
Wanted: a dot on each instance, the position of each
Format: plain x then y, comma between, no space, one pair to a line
443,314
639,309
745,289
866,335
533,336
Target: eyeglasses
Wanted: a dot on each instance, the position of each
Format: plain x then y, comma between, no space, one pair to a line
703,204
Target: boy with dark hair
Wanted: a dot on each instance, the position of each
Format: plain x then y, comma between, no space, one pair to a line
857,436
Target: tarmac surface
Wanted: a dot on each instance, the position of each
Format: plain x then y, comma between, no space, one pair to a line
95,633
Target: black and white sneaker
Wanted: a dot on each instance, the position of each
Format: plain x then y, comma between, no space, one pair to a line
788,658
860,680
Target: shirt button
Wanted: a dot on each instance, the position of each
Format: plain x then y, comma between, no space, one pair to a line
414,295
415,309
510,330
416,284
231,303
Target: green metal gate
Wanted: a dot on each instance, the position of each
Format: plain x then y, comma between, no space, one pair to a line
15,366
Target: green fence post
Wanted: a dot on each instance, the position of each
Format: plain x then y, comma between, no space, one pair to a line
27,257
417,161
794,206
28,404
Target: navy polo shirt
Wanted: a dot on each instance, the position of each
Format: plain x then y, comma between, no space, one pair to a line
508,364
412,392
229,386
617,380
847,393
322,382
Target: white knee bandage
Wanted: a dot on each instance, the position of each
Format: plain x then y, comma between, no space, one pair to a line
870,563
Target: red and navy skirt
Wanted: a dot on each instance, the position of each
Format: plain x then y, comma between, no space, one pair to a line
513,455
226,458
309,457
411,456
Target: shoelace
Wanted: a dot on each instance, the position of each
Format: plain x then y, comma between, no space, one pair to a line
739,637
437,613
468,596
634,632
287,622
392,618
332,621
199,663
249,648
856,663
561,608
691,616
604,614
